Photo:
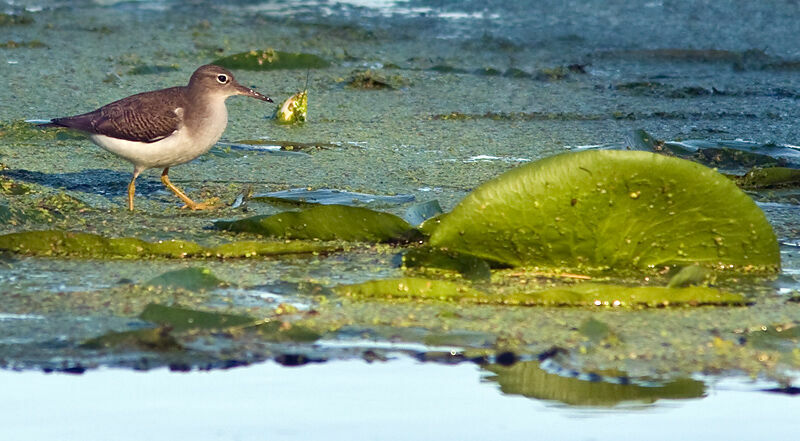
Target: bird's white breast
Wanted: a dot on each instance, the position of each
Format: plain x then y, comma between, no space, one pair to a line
183,145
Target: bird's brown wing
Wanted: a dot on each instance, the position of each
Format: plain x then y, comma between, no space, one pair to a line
145,117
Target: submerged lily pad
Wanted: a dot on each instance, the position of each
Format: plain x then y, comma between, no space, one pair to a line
192,279
86,245
611,209
584,294
530,380
325,222
271,59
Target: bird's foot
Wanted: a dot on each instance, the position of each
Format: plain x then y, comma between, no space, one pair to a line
209,204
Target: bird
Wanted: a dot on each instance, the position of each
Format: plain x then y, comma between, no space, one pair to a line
164,128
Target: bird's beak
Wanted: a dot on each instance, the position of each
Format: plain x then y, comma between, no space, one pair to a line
246,91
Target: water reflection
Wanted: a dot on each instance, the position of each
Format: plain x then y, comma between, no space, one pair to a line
530,380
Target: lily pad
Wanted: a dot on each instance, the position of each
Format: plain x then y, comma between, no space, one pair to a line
611,209
270,59
92,246
182,319
192,279
325,222
770,177
584,294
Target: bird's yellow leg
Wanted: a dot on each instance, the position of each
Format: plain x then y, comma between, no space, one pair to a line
189,203
132,189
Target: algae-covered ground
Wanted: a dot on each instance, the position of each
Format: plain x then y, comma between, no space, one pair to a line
421,101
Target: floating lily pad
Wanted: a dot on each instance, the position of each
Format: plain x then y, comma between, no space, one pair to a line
771,177
325,222
64,243
611,209
584,294
409,289
530,380
191,279
182,319
270,59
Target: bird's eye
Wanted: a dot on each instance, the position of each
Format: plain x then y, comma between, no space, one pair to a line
222,78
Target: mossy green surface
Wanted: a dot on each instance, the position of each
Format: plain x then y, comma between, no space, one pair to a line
582,294
270,59
92,246
611,209
325,222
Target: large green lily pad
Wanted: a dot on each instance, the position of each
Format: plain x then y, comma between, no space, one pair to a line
611,209
582,294
325,222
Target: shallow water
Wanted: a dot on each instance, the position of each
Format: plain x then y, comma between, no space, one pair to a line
397,400
714,71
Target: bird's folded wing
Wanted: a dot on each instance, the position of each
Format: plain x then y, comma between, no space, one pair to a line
144,118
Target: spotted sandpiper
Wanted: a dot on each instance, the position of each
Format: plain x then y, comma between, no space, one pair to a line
164,127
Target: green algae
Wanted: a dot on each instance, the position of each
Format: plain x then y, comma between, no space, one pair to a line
530,380
325,222
583,294
92,246
294,110
191,279
271,59
611,209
